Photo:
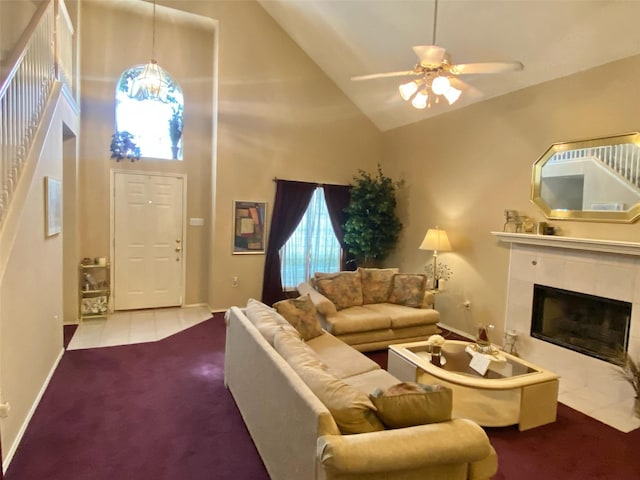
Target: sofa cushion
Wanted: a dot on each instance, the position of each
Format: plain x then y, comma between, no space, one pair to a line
324,306
402,317
294,351
301,313
344,289
342,359
351,409
266,319
376,284
356,319
407,404
369,382
408,289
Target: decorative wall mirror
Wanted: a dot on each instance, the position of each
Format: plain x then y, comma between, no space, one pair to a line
592,180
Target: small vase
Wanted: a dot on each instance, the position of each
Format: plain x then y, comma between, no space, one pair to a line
436,351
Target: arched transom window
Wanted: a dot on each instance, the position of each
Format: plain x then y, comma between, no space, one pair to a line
153,117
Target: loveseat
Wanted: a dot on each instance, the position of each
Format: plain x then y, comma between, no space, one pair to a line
373,308
305,402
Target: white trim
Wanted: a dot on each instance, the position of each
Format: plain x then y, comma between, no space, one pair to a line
590,244
456,331
195,305
16,442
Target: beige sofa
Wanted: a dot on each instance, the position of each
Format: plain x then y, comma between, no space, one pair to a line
298,436
372,308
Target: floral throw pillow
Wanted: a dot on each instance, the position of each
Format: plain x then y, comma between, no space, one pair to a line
376,284
408,289
344,289
301,313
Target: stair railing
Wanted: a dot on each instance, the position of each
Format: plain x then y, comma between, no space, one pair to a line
624,159
43,55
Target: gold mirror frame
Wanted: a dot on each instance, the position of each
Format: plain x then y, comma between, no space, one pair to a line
617,148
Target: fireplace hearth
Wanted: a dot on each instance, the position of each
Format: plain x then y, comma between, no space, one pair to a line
588,324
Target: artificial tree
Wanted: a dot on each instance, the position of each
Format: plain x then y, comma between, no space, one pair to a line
372,227
123,146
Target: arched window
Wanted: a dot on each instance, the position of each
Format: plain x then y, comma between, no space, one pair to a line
155,121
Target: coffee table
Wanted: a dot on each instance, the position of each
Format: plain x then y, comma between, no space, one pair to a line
512,391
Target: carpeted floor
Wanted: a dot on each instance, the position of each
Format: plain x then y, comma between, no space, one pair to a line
160,411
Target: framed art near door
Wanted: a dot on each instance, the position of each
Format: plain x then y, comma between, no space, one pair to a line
249,227
53,206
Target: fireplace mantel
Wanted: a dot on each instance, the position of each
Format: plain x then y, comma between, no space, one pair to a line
556,241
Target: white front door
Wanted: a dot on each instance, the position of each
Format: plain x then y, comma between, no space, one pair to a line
148,243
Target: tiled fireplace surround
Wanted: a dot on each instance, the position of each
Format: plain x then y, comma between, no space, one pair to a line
604,268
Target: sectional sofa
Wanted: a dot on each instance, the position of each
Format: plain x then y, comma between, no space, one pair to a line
306,405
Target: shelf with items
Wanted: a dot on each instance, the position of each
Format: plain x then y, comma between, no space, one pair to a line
95,288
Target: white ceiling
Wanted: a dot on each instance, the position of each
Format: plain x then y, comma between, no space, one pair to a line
553,38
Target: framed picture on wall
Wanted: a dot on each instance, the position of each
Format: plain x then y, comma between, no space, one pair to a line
249,227
53,206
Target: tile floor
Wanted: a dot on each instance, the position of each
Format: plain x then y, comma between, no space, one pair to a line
616,414
136,326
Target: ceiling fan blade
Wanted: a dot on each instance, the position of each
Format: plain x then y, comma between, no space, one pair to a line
430,54
469,90
486,67
382,75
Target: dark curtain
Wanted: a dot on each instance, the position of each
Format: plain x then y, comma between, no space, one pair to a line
292,200
337,198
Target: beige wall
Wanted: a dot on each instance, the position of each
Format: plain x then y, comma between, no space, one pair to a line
465,167
14,18
31,284
185,52
278,116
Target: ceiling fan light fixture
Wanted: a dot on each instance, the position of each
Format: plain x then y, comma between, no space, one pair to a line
440,85
452,95
408,89
420,100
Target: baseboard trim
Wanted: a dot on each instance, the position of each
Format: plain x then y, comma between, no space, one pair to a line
191,305
456,331
12,450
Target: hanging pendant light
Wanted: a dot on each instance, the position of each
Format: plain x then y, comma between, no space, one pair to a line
151,80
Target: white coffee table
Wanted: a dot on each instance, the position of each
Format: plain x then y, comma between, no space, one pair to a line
511,392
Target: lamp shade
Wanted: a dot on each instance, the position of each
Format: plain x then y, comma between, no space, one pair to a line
436,240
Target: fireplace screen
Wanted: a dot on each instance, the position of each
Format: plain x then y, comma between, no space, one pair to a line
592,325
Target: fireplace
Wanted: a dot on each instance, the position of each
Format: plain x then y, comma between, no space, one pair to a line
592,325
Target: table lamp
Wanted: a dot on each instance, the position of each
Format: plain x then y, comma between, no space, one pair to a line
435,240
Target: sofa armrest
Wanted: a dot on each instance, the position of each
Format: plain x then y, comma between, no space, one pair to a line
323,305
429,300
455,441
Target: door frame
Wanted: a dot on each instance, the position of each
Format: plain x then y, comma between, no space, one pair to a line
112,220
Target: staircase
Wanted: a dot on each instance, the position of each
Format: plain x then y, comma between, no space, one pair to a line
42,58
623,159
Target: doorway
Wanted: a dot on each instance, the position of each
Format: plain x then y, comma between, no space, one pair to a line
148,240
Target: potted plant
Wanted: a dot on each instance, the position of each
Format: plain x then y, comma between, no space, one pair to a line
630,371
175,130
123,146
372,227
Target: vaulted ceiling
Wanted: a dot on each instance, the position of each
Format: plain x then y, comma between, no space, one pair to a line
552,38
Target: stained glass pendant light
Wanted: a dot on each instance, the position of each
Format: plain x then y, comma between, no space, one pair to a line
150,81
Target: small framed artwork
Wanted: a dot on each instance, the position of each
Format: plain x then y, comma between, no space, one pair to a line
249,227
53,206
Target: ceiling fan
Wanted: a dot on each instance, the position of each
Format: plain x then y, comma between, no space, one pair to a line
437,76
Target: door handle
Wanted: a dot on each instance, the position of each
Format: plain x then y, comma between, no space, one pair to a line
178,249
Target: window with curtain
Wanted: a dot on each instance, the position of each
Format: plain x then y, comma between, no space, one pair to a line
312,247
155,123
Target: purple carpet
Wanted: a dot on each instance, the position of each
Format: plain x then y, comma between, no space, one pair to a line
160,411
148,411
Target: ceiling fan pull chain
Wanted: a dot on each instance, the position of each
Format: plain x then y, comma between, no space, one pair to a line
435,22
